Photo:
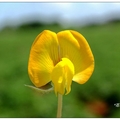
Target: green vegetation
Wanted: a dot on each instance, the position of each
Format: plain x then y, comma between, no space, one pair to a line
96,98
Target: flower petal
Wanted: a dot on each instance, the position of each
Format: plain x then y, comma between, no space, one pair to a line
43,57
62,75
75,47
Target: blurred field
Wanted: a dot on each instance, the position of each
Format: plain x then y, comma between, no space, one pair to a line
96,98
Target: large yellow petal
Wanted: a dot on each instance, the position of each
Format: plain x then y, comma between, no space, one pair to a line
43,58
75,47
62,75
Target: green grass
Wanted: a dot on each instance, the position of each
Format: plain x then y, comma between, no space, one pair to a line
16,100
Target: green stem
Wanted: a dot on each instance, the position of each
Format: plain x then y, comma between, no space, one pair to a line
59,110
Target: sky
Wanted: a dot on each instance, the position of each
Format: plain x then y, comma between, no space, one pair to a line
66,14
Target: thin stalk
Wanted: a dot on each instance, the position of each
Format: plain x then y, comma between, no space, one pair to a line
59,110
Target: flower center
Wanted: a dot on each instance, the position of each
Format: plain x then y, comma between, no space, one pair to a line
62,75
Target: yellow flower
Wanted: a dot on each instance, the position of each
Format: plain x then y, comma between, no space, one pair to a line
60,58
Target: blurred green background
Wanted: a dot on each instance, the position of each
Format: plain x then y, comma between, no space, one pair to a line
94,99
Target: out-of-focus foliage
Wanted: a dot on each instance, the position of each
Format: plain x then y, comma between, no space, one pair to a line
96,98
